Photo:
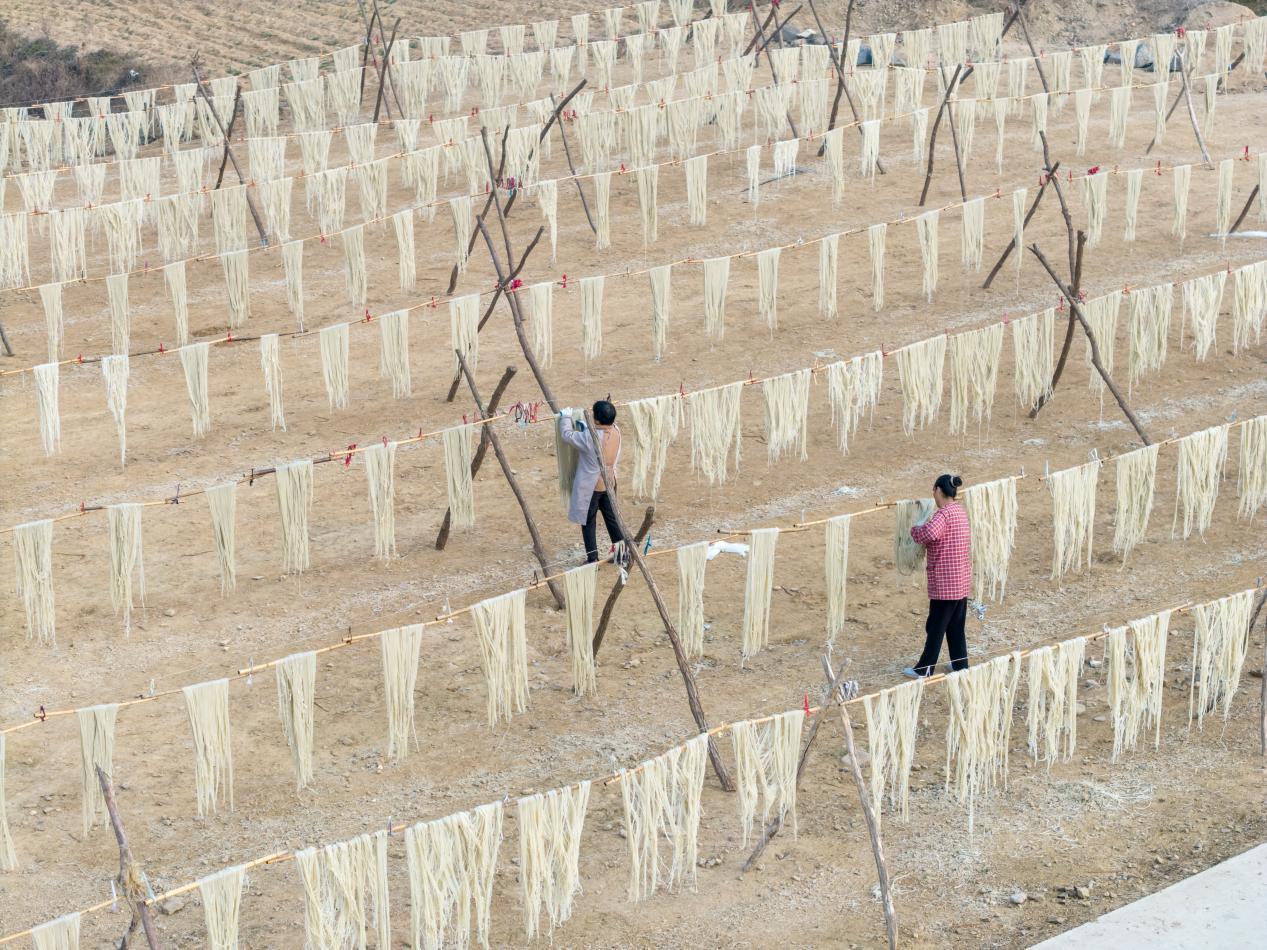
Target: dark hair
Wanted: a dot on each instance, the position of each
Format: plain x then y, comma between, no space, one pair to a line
948,484
604,412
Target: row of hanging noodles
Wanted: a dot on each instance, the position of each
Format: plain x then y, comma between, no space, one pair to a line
1148,326
853,389
178,215
452,861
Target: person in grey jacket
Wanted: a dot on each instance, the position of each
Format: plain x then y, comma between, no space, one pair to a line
589,493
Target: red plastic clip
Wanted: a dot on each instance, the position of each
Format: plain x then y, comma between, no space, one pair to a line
564,281
161,349
1093,170
228,336
1245,154
81,507
433,301
1157,170
681,389
384,441
321,239
347,459
368,318
79,358
807,694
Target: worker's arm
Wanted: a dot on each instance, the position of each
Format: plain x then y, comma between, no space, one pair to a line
578,438
930,530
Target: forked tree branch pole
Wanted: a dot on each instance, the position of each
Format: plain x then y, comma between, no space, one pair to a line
692,693
538,549
1070,324
442,536
1095,348
605,617
250,203
932,136
1011,245
129,879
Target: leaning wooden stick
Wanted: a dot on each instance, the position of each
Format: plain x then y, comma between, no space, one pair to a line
1095,348
605,617
1069,328
391,81
774,74
1192,113
932,136
692,694
228,134
538,549
776,825
1240,218
129,879
1011,245
576,179
1262,730
382,71
954,141
250,203
442,537
842,87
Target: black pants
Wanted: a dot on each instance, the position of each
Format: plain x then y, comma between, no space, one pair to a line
945,621
589,531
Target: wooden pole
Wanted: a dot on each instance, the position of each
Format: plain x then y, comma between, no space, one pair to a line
537,547
369,18
841,87
774,73
1192,113
954,141
759,33
488,202
1011,245
1262,730
1169,112
4,340
576,179
605,617
442,537
1095,349
1069,328
1249,203
228,132
932,136
692,694
250,203
824,707
391,81
378,98
129,879
492,303
877,846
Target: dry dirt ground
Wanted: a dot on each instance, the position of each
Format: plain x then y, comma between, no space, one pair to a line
1116,829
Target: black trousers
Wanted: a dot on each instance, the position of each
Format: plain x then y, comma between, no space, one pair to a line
945,621
589,531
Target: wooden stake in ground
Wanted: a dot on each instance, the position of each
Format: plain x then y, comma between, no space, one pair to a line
841,88
1069,328
250,203
442,537
877,846
538,548
1095,348
1011,245
1249,203
692,694
605,617
1192,113
382,71
129,881
932,136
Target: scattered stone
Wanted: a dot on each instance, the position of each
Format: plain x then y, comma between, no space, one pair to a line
1080,708
1081,892
1094,663
173,905
169,612
1018,898
1100,718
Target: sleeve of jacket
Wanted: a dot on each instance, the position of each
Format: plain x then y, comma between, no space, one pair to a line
579,439
930,530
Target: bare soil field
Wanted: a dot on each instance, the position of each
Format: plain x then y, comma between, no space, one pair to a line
1078,839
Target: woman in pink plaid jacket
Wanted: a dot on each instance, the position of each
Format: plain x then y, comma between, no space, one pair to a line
947,540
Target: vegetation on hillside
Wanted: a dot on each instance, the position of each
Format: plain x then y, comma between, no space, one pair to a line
38,69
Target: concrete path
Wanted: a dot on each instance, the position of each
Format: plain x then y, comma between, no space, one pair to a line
1225,906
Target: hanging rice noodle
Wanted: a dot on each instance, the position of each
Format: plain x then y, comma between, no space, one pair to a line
926,227
661,799
1202,300
271,366
697,189
578,585
992,512
655,422
974,374
33,558
393,354
1202,457
757,589
1148,330
766,757
127,563
875,239
457,467
296,678
96,751
1073,516
221,895
892,725
207,706
1136,677
342,884
1053,675
853,389
294,503
716,277
602,210
1095,197
193,360
1134,179
980,723
222,504
592,316
908,554
550,827
334,364
715,427
787,413
661,304
692,559
114,370
499,624
120,315
828,253
1032,345
1182,175
768,286
51,299
973,233
46,385
1251,478
400,649
837,570
1136,482
920,367
1219,646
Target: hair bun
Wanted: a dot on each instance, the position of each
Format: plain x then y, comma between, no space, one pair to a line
956,481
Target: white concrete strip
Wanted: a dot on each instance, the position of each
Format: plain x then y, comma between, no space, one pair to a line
1225,906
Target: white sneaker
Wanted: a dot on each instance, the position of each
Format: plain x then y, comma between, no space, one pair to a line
909,671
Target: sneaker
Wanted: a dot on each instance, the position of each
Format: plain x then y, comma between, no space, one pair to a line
909,671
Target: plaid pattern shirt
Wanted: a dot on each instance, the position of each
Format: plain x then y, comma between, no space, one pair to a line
947,539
